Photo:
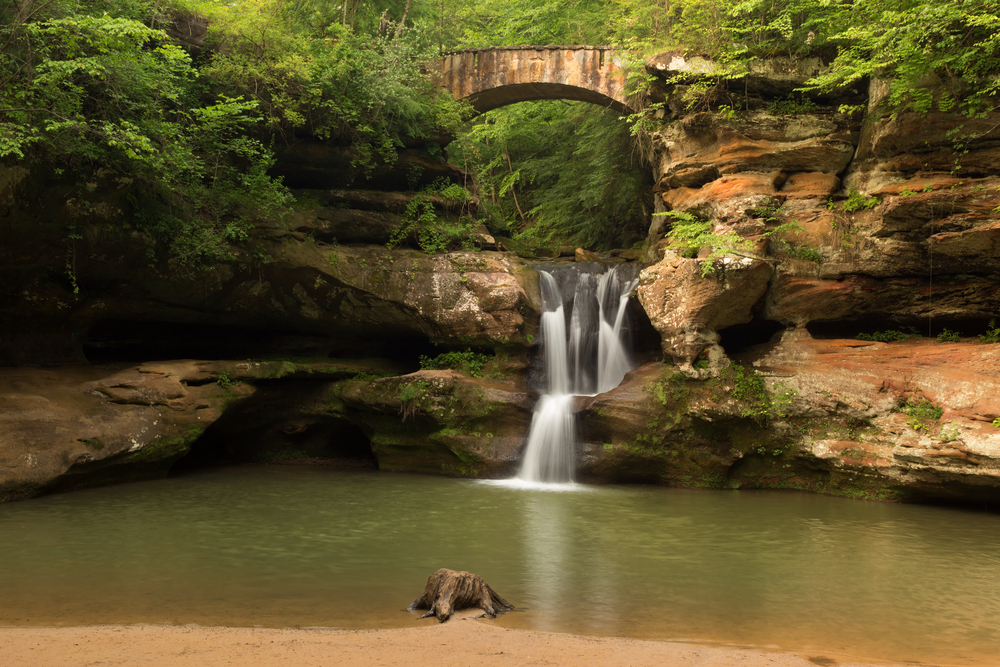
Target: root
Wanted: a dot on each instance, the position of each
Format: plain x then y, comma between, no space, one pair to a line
448,591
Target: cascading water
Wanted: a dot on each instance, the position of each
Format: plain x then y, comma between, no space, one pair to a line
588,360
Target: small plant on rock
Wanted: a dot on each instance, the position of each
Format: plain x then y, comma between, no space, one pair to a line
949,433
791,107
689,234
365,376
920,411
858,202
410,396
756,400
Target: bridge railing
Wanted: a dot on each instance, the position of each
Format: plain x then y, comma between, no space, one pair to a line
546,47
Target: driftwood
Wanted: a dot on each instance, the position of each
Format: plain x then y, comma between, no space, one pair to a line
448,591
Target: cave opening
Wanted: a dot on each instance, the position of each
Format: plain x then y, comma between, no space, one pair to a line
135,341
742,337
284,422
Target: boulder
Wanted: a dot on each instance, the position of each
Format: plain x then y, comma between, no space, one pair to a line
84,426
442,422
688,309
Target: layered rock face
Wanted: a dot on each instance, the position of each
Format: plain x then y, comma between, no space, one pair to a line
442,422
836,422
77,426
903,221
897,229
344,296
256,339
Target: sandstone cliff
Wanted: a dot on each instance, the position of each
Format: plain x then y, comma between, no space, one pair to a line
762,383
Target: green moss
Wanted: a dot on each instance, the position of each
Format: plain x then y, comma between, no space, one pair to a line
755,399
93,443
166,449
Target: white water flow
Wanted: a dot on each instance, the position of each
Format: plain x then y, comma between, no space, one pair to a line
588,360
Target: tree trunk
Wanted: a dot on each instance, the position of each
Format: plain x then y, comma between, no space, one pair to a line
402,21
448,591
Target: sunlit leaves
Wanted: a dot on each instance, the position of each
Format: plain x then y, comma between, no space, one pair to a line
557,173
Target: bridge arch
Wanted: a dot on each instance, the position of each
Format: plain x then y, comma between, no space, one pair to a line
495,77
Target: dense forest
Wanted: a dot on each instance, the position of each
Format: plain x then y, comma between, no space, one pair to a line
107,89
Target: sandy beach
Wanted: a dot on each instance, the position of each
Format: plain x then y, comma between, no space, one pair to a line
460,642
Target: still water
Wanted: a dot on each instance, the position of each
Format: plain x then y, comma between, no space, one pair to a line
290,546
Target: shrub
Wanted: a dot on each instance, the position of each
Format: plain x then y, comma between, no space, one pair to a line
858,202
888,336
420,219
948,336
467,362
992,334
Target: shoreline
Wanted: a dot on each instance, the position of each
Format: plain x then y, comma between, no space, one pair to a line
460,642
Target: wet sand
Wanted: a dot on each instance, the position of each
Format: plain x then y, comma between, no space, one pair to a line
459,642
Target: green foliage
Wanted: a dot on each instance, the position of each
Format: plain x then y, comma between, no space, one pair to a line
756,400
791,107
942,54
920,411
794,250
411,395
674,389
113,102
515,22
689,234
948,336
889,335
727,112
421,221
365,376
467,362
226,381
556,173
933,54
949,433
97,88
992,334
996,422
858,202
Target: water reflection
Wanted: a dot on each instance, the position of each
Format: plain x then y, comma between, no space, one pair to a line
280,547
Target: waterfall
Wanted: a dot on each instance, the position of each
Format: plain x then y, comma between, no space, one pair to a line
588,359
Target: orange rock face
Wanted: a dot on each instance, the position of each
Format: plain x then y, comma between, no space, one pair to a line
878,235
956,455
894,228
843,426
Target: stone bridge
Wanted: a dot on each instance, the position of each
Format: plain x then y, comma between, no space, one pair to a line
496,77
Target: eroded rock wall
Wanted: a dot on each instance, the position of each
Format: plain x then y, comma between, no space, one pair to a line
898,220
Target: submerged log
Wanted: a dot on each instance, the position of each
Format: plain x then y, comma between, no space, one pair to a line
448,591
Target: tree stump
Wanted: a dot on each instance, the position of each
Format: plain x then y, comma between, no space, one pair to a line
448,591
